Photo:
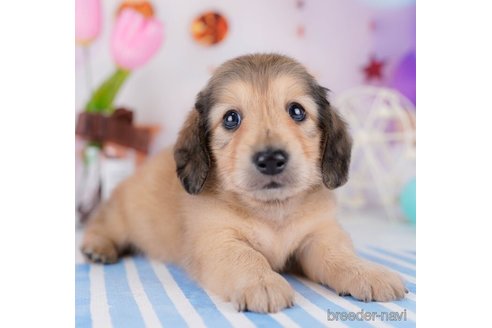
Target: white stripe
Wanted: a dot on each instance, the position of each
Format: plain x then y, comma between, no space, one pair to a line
411,296
284,320
149,316
396,308
184,307
407,277
315,311
334,298
403,253
99,302
237,319
389,258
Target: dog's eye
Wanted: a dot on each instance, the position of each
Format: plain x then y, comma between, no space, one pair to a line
232,119
297,112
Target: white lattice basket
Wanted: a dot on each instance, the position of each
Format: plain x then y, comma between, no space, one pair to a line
382,124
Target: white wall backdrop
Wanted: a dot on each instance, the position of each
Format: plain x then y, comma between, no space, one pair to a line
336,46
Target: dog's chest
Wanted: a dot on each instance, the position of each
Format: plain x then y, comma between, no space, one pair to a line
276,244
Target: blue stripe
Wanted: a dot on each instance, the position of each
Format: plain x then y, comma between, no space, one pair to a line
198,298
320,301
82,296
122,306
411,287
406,304
162,304
402,257
389,264
302,318
262,320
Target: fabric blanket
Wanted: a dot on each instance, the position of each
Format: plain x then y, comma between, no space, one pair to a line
138,292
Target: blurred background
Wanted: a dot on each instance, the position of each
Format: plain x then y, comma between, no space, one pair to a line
139,64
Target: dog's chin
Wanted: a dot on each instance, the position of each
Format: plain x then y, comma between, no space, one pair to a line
276,195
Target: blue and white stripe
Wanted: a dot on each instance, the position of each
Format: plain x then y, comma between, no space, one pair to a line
137,292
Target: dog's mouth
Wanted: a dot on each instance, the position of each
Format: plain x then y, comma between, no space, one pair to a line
272,191
272,185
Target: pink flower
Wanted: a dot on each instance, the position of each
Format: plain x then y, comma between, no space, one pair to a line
88,20
135,39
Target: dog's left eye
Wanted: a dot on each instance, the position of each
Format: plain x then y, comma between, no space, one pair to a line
297,112
232,119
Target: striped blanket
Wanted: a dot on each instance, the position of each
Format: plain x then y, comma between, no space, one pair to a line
138,292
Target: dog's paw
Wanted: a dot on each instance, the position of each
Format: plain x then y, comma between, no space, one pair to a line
375,283
272,293
99,249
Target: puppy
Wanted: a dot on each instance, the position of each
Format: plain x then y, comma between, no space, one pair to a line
245,193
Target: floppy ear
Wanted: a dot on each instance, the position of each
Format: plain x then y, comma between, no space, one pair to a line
336,147
191,153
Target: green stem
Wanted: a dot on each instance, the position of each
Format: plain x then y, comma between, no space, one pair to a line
102,99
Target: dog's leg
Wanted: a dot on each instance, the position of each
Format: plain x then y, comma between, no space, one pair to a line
105,235
242,275
328,257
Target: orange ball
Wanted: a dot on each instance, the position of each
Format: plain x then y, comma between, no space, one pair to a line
209,29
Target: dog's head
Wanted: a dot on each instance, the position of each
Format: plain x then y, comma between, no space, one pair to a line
266,128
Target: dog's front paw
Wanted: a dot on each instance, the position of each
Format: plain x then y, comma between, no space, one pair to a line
99,249
271,293
373,282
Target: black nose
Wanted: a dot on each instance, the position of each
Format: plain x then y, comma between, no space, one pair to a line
270,161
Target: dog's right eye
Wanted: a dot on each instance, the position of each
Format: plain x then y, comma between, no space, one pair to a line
232,119
297,112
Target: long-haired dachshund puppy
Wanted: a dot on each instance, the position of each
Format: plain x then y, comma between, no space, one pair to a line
246,193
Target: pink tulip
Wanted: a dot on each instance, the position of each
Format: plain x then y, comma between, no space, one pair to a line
88,20
135,39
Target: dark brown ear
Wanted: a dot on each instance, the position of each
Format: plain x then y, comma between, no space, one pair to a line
191,153
336,146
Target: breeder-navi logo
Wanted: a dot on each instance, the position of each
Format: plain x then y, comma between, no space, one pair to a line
366,316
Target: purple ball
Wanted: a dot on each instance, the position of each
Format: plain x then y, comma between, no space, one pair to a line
404,77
